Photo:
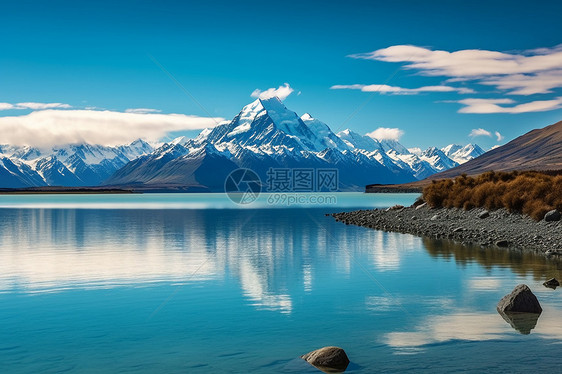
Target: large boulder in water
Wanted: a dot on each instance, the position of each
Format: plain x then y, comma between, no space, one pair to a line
328,359
520,300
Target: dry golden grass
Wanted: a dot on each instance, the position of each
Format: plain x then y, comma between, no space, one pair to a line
532,193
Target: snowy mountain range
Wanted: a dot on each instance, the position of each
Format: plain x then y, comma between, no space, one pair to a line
264,135
71,166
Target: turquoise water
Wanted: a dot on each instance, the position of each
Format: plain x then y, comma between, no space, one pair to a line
164,284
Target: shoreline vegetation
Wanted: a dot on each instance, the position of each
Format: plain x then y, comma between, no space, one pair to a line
531,193
517,210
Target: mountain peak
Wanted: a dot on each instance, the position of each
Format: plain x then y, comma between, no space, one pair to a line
139,141
451,148
274,100
462,154
393,145
357,141
347,132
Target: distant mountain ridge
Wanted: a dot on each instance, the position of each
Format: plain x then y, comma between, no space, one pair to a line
265,134
539,149
70,166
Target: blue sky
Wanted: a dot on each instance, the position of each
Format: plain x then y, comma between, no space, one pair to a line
97,55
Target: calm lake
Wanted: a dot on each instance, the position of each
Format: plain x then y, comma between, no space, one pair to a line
193,283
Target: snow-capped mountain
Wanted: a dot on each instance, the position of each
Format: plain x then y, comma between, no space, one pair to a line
72,165
265,134
437,159
461,154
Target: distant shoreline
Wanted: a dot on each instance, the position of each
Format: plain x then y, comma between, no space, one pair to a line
413,187
496,228
63,191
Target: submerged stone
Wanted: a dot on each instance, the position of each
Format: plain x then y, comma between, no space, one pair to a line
328,359
552,283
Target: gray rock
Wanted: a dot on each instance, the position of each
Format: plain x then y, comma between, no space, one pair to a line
328,359
521,299
484,214
552,216
458,229
502,243
552,283
421,206
435,218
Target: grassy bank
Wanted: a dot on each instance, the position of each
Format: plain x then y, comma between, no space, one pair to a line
531,193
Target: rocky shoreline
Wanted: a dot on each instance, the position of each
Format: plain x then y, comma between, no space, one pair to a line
474,227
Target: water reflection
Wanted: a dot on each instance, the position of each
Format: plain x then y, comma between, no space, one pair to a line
456,322
522,322
474,326
249,289
47,250
521,263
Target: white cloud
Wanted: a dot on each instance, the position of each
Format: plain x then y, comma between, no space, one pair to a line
394,90
468,62
525,73
142,110
492,106
33,106
483,132
480,132
385,133
282,92
50,127
495,146
521,84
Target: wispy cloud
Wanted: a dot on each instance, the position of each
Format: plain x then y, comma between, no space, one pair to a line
46,128
282,92
499,137
33,106
386,133
535,71
493,106
394,90
469,62
142,110
521,84
480,132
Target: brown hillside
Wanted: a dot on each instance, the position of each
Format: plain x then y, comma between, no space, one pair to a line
539,149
